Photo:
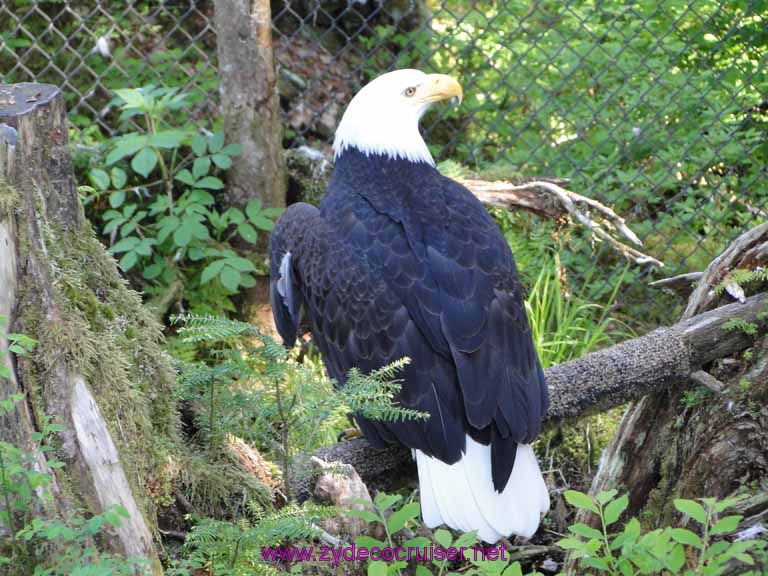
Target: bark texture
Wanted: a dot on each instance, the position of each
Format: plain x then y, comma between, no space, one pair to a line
97,369
597,381
249,101
707,437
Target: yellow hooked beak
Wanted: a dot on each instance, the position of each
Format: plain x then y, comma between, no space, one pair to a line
437,87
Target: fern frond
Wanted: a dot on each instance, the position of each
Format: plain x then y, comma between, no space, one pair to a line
742,277
195,328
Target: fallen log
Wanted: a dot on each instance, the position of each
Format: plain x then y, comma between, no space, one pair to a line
595,382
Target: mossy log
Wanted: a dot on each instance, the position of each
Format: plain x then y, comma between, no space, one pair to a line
597,381
97,370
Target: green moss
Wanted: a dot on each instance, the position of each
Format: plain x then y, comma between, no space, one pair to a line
104,332
307,177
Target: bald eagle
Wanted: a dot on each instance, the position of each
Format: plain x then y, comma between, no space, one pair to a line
401,261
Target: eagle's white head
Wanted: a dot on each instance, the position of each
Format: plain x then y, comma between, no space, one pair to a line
383,118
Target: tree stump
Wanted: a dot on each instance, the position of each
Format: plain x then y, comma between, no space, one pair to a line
97,370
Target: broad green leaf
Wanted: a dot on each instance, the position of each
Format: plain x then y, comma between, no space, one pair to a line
605,497
686,537
181,236
377,568
222,161
153,271
693,509
210,182
201,166
725,525
272,212
466,540
572,544
230,278
248,232
422,570
581,500
168,138
676,559
585,531
144,162
145,247
117,198
125,244
597,563
443,537
186,177
232,149
128,261
235,216
366,515
125,146
119,177
384,501
614,509
247,281
398,519
99,178
263,223
132,97
216,143
241,264
253,209
198,145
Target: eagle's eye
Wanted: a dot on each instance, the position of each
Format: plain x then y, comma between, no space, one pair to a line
410,91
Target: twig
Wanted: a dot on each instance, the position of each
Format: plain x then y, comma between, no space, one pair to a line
708,381
681,280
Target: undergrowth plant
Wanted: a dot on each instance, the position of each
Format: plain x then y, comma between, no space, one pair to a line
154,197
38,544
250,387
674,551
235,548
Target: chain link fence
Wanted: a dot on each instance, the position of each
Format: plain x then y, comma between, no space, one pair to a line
659,109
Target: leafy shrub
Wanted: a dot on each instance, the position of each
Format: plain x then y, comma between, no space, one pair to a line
154,198
664,550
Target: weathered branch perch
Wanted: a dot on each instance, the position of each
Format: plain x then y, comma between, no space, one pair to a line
548,198
597,381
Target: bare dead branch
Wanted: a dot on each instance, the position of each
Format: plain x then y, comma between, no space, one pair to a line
598,218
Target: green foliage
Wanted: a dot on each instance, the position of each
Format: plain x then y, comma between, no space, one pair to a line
743,277
154,195
664,550
741,325
19,344
53,546
250,387
234,548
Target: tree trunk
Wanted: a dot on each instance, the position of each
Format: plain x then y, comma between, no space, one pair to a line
97,369
250,102
702,438
597,381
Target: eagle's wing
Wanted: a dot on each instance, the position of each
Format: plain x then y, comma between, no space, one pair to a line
439,251
357,320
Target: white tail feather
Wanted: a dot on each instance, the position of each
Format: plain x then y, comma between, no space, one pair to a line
462,496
